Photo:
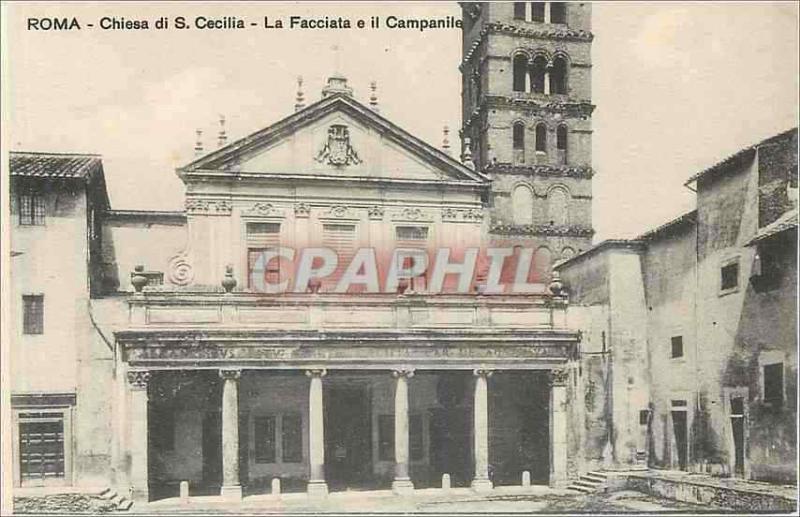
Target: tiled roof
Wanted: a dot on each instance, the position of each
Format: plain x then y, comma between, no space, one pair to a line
54,165
785,222
740,156
688,217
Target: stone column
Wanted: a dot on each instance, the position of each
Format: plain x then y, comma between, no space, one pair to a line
316,435
529,75
558,427
547,71
231,487
528,13
138,442
547,12
402,482
481,482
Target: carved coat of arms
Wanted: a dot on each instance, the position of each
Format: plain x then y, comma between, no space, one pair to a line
337,150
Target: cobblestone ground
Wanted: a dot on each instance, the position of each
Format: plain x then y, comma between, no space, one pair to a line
62,503
618,502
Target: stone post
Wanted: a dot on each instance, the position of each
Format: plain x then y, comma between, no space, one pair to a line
316,435
231,487
558,427
402,482
138,443
481,483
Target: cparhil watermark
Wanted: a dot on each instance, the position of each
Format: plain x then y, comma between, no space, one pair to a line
366,270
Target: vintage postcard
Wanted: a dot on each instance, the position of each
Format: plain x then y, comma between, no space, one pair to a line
399,257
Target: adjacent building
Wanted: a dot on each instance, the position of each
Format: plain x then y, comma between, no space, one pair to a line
698,318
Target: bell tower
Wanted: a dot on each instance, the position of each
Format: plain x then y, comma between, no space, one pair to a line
526,114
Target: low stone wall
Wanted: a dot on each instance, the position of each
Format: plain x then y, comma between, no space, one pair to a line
698,492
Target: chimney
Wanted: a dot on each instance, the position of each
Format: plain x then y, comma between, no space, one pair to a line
222,138
300,102
198,145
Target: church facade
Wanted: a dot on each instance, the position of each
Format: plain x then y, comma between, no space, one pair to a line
220,345
186,369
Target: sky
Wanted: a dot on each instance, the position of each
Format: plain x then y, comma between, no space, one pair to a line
678,87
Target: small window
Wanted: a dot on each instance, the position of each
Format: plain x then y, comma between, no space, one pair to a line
33,314
412,233
256,229
644,416
292,438
537,11
31,210
519,10
264,437
415,438
773,384
679,403
561,138
677,347
558,12
386,437
729,276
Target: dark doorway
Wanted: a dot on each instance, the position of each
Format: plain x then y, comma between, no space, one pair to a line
451,429
212,450
679,428
348,438
519,430
737,425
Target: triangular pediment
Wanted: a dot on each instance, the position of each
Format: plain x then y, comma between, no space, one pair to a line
336,137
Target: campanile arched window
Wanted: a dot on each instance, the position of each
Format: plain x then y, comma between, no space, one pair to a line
519,10
522,205
518,142
537,74
520,67
541,137
558,76
561,144
557,206
537,11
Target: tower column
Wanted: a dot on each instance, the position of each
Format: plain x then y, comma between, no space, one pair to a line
316,435
528,12
231,486
481,482
547,71
402,482
547,12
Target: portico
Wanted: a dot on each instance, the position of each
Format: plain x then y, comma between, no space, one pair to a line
342,408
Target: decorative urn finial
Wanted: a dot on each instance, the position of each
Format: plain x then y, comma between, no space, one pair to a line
446,139
556,287
138,280
228,282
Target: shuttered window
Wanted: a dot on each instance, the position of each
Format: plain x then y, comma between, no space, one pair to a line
292,438
413,237
264,437
262,237
340,238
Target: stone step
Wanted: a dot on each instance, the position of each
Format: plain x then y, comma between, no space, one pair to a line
124,505
581,489
593,476
598,474
587,484
106,494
